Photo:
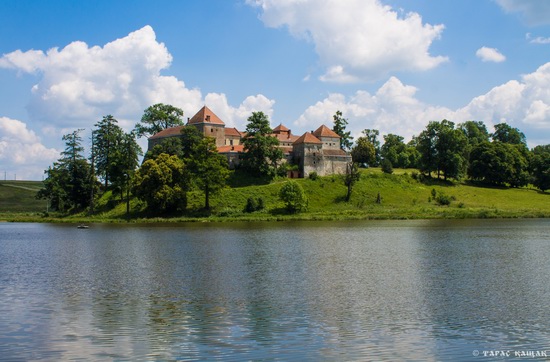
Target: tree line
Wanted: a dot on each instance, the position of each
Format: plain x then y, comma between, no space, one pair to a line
467,150
178,165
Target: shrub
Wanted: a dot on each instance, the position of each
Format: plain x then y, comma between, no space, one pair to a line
387,167
253,204
294,197
443,199
313,176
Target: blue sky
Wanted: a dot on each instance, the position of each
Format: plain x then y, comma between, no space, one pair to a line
392,65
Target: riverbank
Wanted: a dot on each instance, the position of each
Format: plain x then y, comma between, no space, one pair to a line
403,195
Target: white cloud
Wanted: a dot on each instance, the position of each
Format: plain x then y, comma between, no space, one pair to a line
394,108
356,39
534,12
78,85
537,40
490,55
21,150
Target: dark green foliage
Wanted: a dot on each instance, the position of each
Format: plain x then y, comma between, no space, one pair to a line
313,176
506,134
69,183
364,152
169,146
443,199
294,197
442,149
540,167
254,204
340,123
261,156
387,166
350,178
106,139
158,117
499,163
372,137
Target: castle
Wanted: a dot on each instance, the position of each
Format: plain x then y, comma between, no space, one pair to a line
317,151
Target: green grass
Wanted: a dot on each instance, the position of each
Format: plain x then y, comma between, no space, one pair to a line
402,197
19,196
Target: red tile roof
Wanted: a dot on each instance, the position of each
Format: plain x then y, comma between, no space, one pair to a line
307,138
285,137
168,132
205,115
229,148
324,131
280,128
232,132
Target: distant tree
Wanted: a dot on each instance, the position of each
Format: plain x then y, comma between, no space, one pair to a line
540,167
499,163
363,152
106,139
68,184
262,155
340,123
294,197
475,132
395,151
441,149
372,135
507,134
125,160
351,177
158,117
209,168
163,183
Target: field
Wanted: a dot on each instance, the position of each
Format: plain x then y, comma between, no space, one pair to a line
402,196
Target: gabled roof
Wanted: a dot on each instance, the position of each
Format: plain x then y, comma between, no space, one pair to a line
232,132
307,138
280,128
287,137
324,131
205,115
168,132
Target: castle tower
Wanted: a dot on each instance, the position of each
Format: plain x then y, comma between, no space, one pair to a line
209,124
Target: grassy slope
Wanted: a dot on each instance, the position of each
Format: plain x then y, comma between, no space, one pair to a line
19,196
402,197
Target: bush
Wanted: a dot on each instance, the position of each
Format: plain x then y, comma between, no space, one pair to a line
294,197
387,167
443,199
313,176
253,204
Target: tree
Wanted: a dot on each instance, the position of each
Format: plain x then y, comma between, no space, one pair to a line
209,168
125,159
441,148
105,140
499,163
372,136
68,184
158,117
540,167
294,197
506,134
395,151
261,154
163,183
340,123
475,132
387,166
351,177
363,152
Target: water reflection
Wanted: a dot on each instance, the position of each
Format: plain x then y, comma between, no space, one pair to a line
420,290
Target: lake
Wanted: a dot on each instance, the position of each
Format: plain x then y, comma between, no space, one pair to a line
364,290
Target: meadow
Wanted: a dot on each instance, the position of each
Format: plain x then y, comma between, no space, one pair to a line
401,195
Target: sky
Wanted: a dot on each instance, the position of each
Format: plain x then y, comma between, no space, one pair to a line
391,65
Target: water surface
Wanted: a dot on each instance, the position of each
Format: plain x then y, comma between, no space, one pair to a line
368,290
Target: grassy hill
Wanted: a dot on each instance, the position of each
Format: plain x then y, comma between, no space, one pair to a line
402,197
19,196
